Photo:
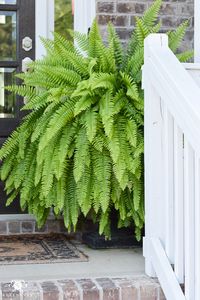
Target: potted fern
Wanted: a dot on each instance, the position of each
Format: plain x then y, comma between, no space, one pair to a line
80,147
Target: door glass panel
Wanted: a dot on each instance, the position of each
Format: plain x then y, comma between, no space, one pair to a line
8,1
64,17
7,99
7,36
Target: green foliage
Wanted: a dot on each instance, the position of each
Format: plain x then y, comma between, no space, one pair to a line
80,149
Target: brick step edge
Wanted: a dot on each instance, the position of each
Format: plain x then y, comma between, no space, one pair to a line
126,288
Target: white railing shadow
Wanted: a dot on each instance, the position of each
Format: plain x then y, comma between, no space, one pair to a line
172,171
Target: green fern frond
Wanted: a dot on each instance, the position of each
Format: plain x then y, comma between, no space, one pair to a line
176,37
141,31
94,37
102,172
150,16
90,119
185,56
60,118
82,157
82,104
82,40
114,40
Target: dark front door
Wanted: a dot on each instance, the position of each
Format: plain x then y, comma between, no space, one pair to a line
17,44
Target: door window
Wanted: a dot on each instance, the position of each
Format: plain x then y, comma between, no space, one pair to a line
64,18
17,22
8,36
7,99
8,1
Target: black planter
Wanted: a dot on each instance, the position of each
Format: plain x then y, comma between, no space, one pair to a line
120,238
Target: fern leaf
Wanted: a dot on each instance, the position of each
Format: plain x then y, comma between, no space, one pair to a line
175,37
60,118
90,119
83,103
151,15
81,158
185,56
131,132
113,39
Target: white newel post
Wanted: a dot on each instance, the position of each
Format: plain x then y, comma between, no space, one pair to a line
154,156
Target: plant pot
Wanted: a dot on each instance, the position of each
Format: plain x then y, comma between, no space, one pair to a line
120,238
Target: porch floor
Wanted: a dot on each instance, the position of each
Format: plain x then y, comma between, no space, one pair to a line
101,263
114,274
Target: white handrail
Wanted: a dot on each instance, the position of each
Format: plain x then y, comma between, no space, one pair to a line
173,82
172,171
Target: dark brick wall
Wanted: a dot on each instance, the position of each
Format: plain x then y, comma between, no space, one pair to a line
122,13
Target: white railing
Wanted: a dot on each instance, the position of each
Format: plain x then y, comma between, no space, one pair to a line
172,172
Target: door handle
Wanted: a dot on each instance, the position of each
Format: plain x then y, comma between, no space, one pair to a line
27,43
25,64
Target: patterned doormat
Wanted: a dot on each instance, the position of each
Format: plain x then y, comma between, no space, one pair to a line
38,249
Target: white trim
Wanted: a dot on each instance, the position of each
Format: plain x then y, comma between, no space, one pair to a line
17,217
164,271
191,66
196,31
21,217
44,23
84,14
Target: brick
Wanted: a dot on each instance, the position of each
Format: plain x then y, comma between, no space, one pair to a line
169,22
43,229
116,20
30,291
168,9
3,228
128,7
105,7
90,290
9,291
27,227
53,226
50,291
129,290
186,10
14,227
161,294
148,292
110,290
124,34
70,290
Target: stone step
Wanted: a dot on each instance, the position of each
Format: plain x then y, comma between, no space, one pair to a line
125,288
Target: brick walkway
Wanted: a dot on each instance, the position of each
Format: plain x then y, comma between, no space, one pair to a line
132,288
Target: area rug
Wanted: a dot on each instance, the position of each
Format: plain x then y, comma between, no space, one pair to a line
38,249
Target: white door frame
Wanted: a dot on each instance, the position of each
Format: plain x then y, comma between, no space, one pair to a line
197,31
44,24
84,14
